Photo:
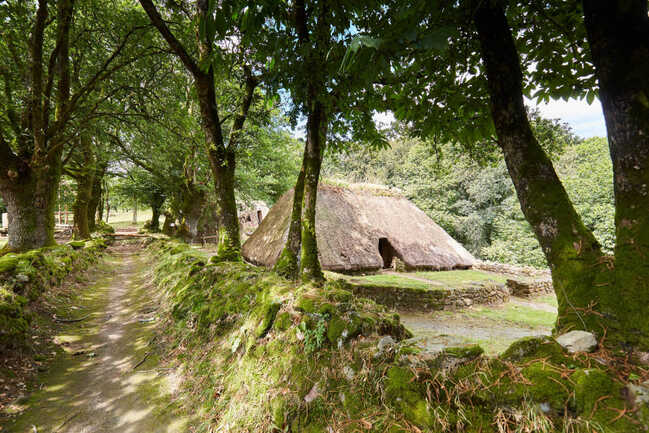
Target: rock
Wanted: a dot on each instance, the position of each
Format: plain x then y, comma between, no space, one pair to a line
348,372
313,394
22,278
467,302
385,342
577,341
640,392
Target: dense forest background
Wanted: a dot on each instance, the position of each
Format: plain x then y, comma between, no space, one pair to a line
471,195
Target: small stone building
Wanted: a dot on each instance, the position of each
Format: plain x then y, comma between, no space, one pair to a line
251,215
361,228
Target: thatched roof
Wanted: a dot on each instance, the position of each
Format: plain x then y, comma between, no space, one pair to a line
350,223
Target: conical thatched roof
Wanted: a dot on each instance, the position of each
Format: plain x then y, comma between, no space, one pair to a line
361,229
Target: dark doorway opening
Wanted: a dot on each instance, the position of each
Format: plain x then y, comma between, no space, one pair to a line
387,252
259,217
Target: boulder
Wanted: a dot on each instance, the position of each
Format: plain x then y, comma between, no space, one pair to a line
577,341
385,343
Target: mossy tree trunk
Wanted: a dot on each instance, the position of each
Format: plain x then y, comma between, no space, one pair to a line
288,264
95,206
81,206
618,35
221,156
157,200
84,174
192,209
30,172
310,269
573,253
30,197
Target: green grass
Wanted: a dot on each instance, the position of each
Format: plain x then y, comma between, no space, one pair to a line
390,281
125,219
441,279
461,277
126,224
517,314
547,299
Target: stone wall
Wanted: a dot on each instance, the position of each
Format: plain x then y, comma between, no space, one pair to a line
526,288
434,299
504,268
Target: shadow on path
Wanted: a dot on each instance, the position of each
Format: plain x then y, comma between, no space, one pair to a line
95,385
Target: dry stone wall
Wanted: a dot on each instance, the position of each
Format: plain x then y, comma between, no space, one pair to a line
434,299
526,288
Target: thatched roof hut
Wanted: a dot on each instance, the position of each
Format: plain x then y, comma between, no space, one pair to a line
359,229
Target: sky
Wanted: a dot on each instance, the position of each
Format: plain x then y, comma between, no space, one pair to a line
586,120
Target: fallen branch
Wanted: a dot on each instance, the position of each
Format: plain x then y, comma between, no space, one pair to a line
66,421
146,355
56,319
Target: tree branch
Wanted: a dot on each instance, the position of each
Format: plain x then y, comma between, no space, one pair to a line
36,59
174,43
237,126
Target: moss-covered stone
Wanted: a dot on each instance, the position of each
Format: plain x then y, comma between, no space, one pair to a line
283,321
547,385
590,386
336,329
405,394
531,348
269,311
464,352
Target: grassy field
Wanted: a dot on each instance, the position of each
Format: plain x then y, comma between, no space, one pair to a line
389,281
461,277
515,314
124,219
422,280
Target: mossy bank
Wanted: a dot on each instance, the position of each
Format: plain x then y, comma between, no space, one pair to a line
24,277
260,354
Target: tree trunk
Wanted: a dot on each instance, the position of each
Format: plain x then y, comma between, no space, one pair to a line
192,209
222,163
30,198
618,35
93,205
166,226
134,211
229,248
288,264
156,205
570,248
81,228
85,177
96,206
310,269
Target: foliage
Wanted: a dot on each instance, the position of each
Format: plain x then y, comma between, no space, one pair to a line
314,338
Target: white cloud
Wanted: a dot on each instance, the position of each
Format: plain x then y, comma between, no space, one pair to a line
586,120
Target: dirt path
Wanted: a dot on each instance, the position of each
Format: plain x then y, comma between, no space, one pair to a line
95,386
